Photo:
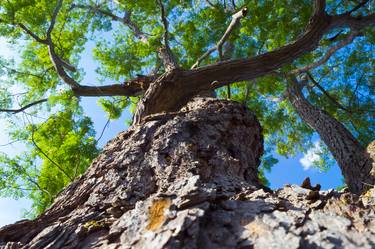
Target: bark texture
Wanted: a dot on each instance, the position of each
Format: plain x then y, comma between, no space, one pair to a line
355,162
189,180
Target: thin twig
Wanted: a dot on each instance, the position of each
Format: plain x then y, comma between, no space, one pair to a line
328,55
31,180
332,99
48,158
211,4
124,20
10,143
105,126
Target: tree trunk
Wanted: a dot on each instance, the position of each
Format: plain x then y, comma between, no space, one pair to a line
189,180
355,163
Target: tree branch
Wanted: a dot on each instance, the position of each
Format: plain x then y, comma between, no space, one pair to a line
134,87
61,169
361,4
14,111
59,63
26,30
125,20
31,180
211,4
32,34
332,99
102,133
165,53
53,18
319,7
328,55
246,69
59,67
235,19
188,83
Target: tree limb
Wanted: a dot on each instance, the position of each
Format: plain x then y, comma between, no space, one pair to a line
53,18
125,20
61,169
14,111
102,133
165,53
328,55
59,63
188,83
134,87
32,34
361,4
246,69
26,30
211,4
332,99
235,19
34,182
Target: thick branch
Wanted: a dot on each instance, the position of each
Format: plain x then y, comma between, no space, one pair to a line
235,19
319,7
59,63
246,69
134,87
14,111
59,67
189,83
109,90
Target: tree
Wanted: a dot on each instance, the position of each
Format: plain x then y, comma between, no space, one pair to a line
165,53
339,140
167,43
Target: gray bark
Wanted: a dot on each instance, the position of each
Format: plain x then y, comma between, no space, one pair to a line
355,163
189,180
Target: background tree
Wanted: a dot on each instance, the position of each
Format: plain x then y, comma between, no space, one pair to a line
165,52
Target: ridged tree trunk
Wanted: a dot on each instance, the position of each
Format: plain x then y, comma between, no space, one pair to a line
189,180
355,163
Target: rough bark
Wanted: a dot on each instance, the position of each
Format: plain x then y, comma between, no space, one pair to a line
354,161
189,180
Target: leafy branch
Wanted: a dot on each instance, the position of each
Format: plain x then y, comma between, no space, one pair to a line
14,111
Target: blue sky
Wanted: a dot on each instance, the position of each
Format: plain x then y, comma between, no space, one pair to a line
286,171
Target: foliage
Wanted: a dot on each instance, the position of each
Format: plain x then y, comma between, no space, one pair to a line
60,150
66,139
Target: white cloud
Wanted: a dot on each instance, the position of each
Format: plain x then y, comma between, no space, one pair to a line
311,156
